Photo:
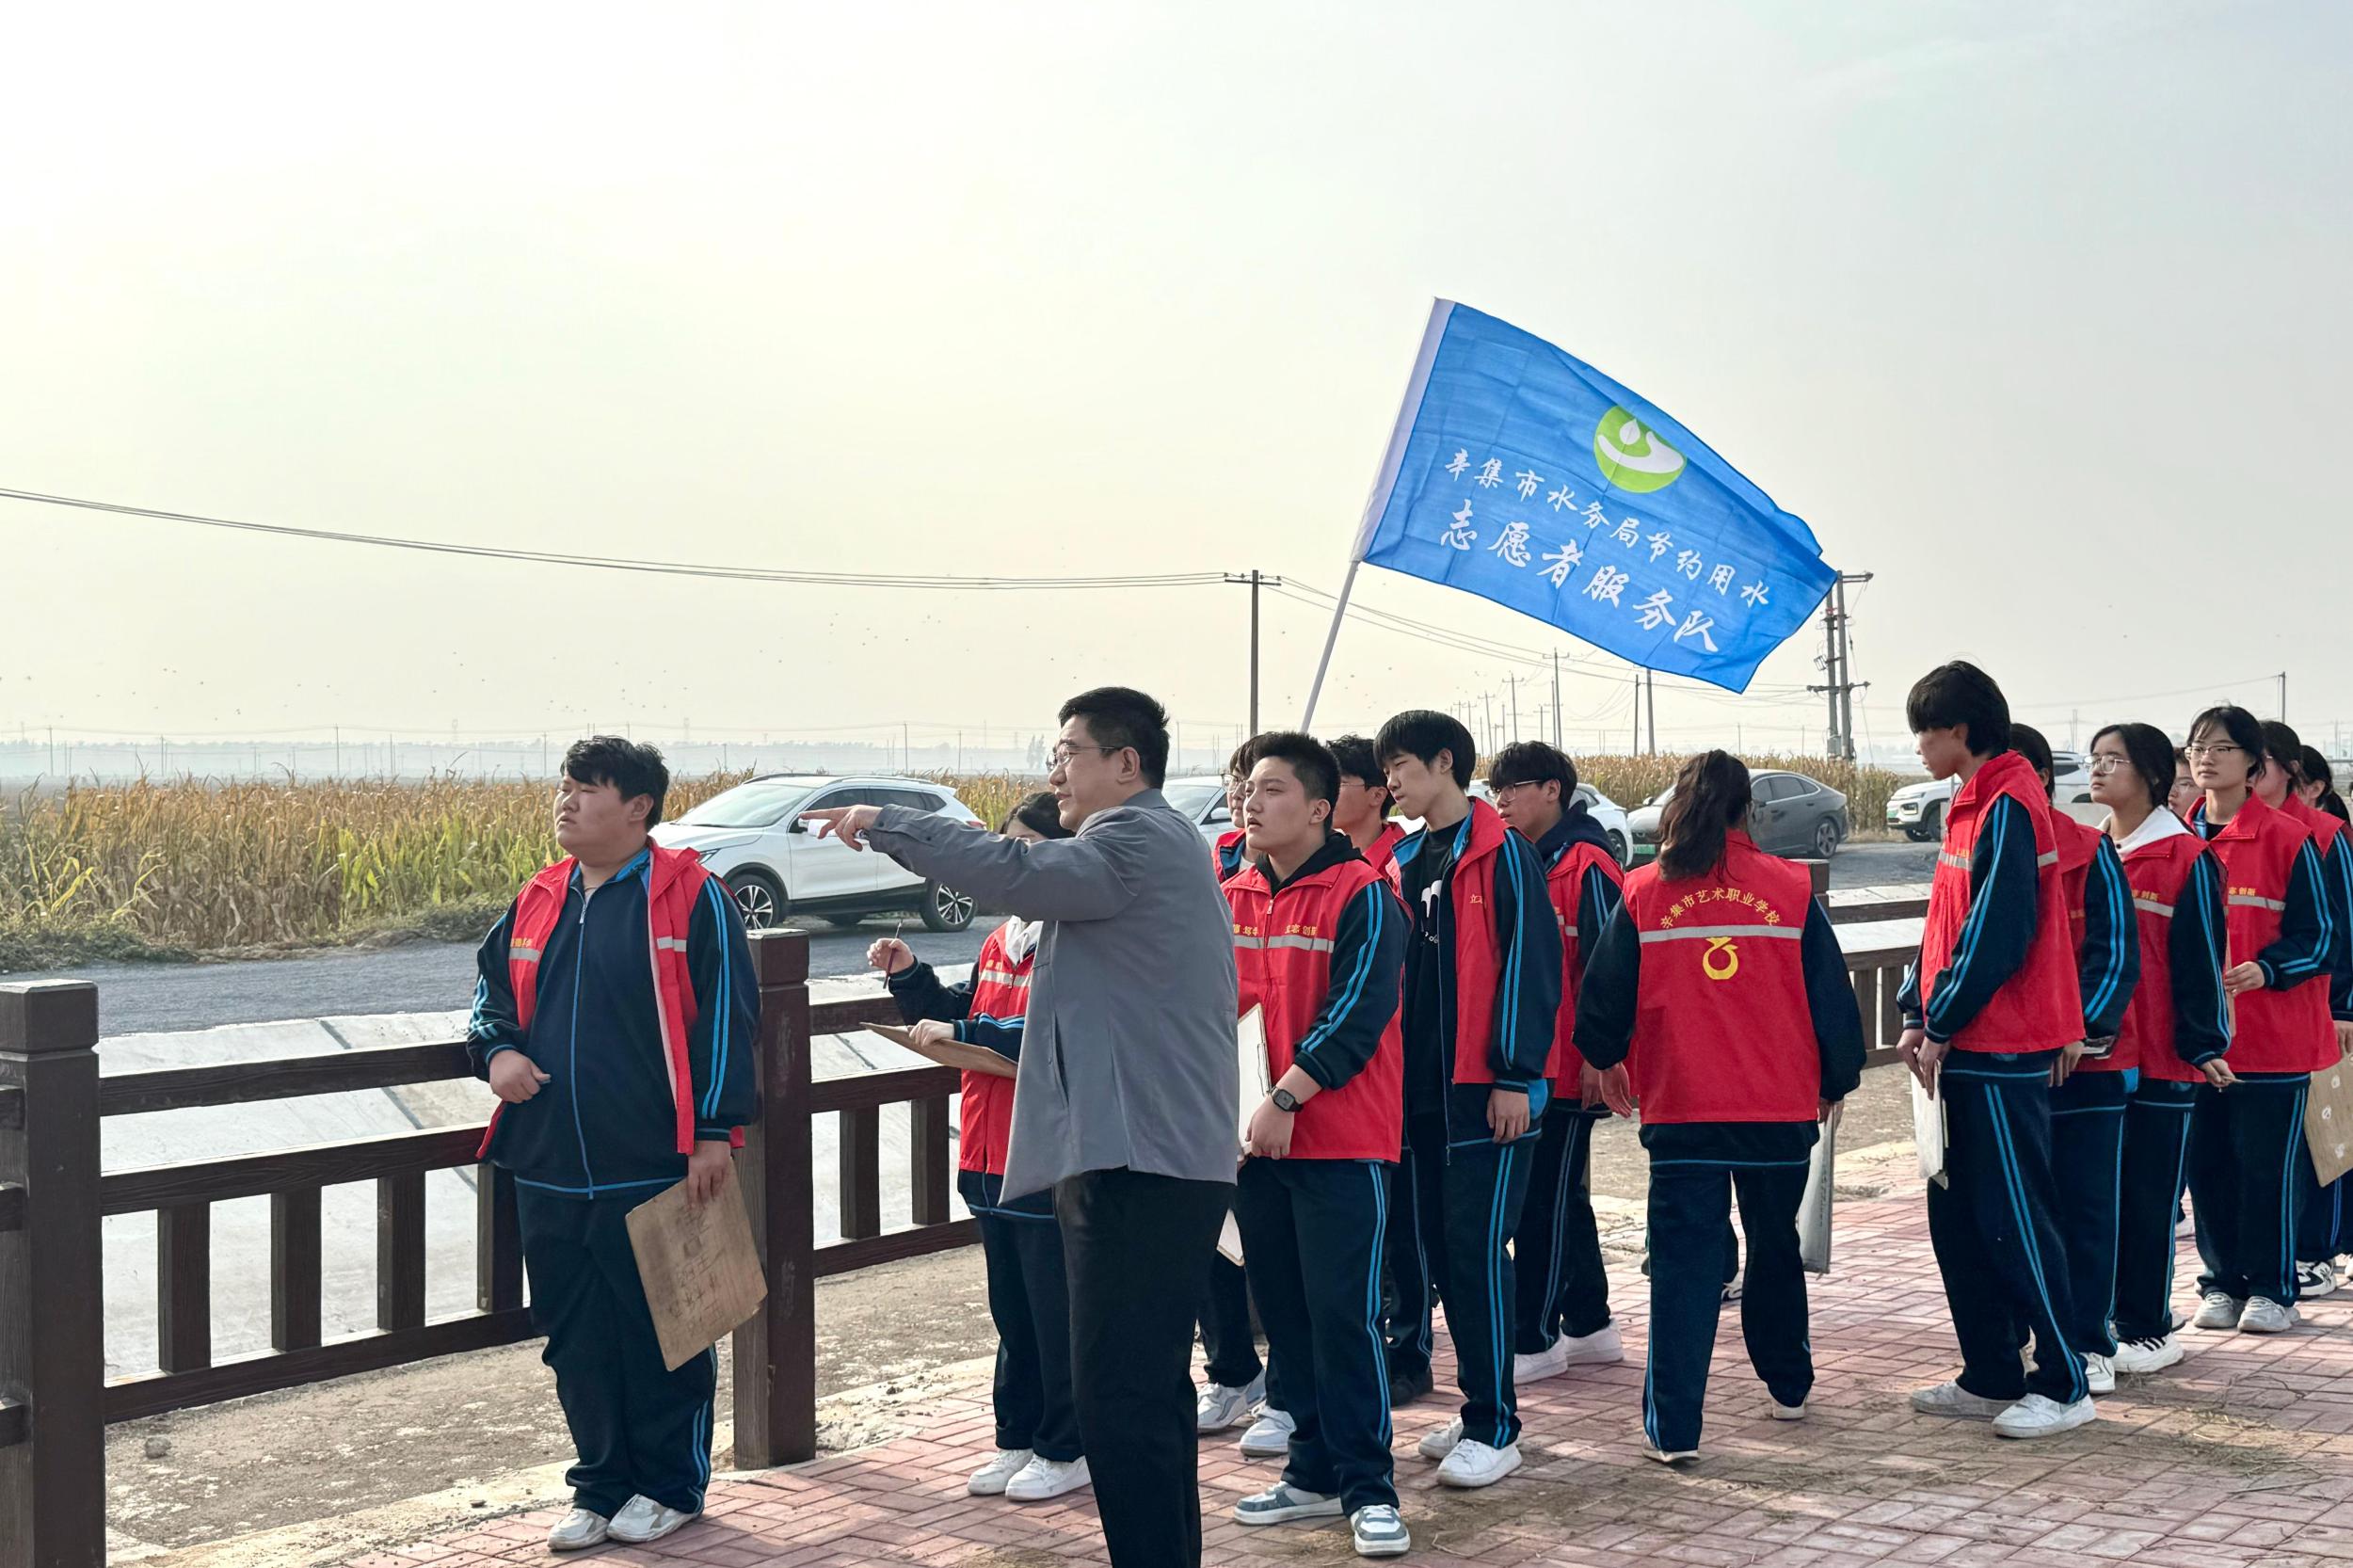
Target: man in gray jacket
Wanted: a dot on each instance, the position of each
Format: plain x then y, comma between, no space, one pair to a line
1125,1102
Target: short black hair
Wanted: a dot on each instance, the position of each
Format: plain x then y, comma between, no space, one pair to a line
1421,733
1357,760
1309,760
1041,813
2246,731
2286,747
632,769
1532,762
1120,717
1245,757
2313,767
1961,693
2151,754
2025,740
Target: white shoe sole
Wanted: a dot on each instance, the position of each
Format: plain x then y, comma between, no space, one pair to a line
1472,1483
1440,1443
2157,1366
1263,1450
662,1534
580,1545
2069,1424
1062,1491
1286,1516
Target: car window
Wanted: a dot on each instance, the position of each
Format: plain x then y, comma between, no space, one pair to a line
1778,787
854,794
1217,814
761,803
922,800
1190,798
1586,794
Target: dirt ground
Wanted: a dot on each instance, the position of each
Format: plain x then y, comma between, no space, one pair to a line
484,1431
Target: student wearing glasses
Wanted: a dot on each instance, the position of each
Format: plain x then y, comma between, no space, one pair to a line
2174,1031
2246,1139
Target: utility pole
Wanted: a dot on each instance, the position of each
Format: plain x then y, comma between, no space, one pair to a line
1838,671
1513,682
1487,722
1256,580
1650,689
1556,701
1633,747
2283,696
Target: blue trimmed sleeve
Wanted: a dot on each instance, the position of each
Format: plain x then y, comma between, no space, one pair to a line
2108,968
1595,902
2004,906
1367,979
492,1028
723,1047
2196,950
1527,990
1605,997
1830,1002
922,994
2337,872
2307,934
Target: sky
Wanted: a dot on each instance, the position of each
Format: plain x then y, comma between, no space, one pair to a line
2036,313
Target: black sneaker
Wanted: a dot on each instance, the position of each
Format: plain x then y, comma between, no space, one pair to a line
1405,1387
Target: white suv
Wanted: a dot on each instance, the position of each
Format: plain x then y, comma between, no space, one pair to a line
753,836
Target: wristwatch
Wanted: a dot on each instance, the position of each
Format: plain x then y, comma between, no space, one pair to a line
1284,1099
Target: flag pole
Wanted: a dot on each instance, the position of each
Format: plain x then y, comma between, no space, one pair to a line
1339,609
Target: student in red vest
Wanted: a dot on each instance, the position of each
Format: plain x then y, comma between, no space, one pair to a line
1228,850
1362,811
2317,785
2185,795
1482,993
1320,943
2320,1211
1562,1315
1038,1453
2245,1142
617,1021
1988,1006
1720,984
2174,1031
2093,1081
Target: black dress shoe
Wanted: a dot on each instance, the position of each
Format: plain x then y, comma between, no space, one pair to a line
1405,1387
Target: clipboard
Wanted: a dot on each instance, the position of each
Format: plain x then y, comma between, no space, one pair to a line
1252,1083
699,1268
948,1053
1928,1132
1814,1209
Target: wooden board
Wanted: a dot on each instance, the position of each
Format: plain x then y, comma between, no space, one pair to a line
2328,1121
701,1270
948,1053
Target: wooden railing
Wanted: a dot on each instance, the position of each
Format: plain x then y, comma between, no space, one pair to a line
54,1397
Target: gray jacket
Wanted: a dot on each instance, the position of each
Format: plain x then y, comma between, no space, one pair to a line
1127,1057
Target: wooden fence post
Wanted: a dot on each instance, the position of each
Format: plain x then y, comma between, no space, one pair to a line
53,1353
775,1353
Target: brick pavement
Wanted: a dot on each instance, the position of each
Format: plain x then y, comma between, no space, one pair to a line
2242,1454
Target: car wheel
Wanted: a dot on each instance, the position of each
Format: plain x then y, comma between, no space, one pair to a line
1932,823
1617,845
1915,836
944,908
757,895
1824,839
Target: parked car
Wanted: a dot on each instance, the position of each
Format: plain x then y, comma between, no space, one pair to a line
1607,813
1789,814
753,836
1917,809
1201,799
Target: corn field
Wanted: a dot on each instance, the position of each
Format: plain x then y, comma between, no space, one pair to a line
1632,780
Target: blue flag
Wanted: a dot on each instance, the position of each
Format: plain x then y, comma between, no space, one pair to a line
1524,475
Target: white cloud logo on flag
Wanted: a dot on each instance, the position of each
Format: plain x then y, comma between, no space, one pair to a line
1632,458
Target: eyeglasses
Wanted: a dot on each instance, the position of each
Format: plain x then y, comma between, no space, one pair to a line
1060,758
1503,791
2106,764
2219,748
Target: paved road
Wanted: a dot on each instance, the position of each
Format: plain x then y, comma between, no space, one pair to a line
426,976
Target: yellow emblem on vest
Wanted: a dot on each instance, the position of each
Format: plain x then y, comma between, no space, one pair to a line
1716,946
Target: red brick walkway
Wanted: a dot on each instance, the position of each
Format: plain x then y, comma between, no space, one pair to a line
2239,1455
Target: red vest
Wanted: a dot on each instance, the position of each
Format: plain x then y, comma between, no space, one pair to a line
1563,881
2077,847
1000,990
1283,954
2276,1031
2040,1007
2156,873
2324,828
673,881
1722,1030
1382,853
1477,951
1229,843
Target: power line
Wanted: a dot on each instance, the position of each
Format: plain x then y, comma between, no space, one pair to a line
617,563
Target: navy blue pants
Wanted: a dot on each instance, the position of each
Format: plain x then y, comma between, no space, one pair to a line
1413,1230
1561,1287
1029,1301
2323,1218
1311,1240
1690,1209
1228,1341
639,1429
1995,1231
2244,1144
2156,1163
2088,1164
1481,1186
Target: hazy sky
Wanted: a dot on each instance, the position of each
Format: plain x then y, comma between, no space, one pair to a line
2037,311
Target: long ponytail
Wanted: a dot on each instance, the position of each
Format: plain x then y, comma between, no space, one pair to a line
1711,798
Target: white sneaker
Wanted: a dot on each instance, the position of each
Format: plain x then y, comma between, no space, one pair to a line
1282,1502
1788,1412
577,1532
990,1479
2265,1315
1269,1435
2220,1309
1042,1479
1536,1366
1474,1463
1441,1443
1222,1407
2315,1280
1379,1531
1951,1398
2100,1373
1596,1349
2037,1415
2147,1356
1733,1291
642,1519
1666,1456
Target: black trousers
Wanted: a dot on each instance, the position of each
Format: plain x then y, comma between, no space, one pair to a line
2323,1218
1691,1206
1311,1233
2156,1162
1226,1338
1996,1235
2244,1144
1029,1301
1481,1188
2088,1114
1560,1286
1413,1229
1137,1247
639,1428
